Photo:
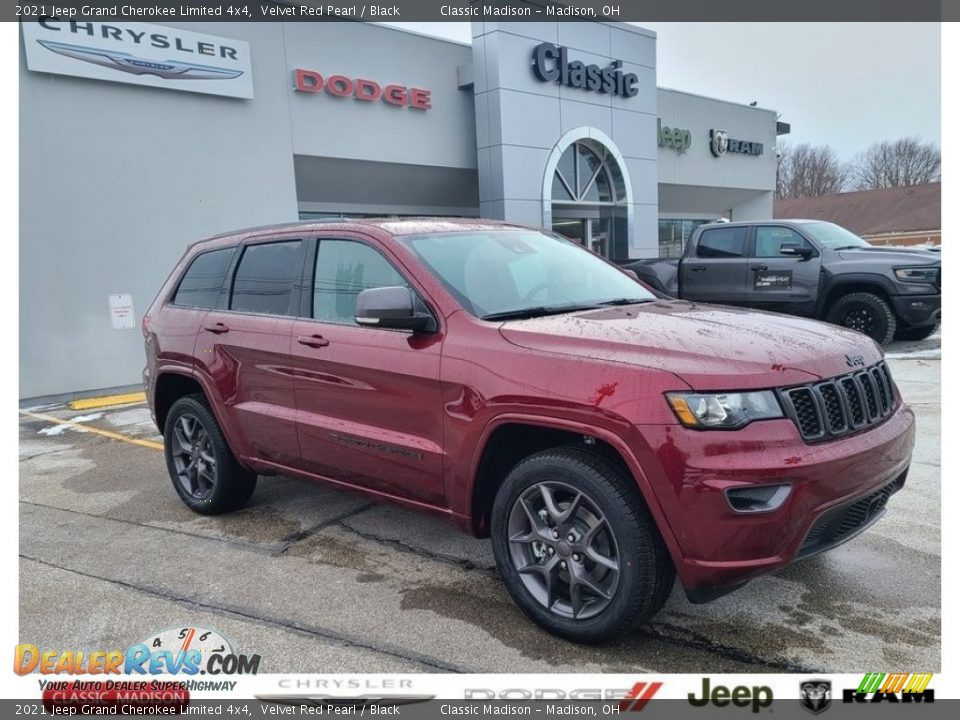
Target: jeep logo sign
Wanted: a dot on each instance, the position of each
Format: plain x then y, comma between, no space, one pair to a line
678,139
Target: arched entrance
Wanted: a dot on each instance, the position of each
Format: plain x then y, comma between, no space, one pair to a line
587,193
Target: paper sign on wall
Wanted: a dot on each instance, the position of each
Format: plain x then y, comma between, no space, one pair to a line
121,311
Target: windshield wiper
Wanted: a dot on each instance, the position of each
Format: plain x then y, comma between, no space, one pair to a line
626,301
539,311
851,247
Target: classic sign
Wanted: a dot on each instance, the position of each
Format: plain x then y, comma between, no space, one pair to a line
550,64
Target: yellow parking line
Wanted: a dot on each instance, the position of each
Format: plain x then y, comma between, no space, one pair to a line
107,401
89,428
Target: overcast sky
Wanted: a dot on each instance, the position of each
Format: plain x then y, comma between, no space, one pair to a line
843,84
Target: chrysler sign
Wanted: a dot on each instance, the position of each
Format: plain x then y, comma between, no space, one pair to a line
140,54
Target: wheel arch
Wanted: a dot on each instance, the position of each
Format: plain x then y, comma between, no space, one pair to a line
509,439
840,285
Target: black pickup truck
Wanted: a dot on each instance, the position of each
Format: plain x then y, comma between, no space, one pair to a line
805,267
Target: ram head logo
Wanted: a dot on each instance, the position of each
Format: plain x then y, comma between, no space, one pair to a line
815,695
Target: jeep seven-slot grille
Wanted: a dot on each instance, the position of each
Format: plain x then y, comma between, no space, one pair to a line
842,405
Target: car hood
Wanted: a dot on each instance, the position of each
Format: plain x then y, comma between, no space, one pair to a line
711,347
898,256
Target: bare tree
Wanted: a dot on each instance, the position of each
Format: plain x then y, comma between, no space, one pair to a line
808,171
907,161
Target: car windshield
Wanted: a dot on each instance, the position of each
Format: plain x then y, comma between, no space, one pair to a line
833,236
496,274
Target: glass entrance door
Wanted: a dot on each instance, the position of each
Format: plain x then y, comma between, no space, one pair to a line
591,232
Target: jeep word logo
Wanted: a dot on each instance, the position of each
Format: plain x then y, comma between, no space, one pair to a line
550,64
140,54
893,688
674,138
855,361
815,695
756,697
721,143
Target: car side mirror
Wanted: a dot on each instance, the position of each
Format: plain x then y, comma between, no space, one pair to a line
394,308
796,250
632,273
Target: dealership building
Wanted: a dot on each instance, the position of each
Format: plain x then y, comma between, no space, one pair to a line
137,139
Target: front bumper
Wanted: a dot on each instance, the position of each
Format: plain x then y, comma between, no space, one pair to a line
917,310
716,549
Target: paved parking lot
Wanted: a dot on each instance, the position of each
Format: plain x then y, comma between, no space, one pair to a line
322,581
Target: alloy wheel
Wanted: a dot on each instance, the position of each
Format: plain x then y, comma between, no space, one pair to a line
564,550
193,458
860,319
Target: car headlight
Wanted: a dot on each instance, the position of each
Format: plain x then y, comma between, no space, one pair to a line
925,274
724,410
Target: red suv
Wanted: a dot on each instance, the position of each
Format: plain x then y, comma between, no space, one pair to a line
603,436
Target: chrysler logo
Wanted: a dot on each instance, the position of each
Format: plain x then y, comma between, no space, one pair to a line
125,62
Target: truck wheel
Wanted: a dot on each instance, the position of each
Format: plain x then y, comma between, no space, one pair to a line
915,333
205,474
866,313
576,546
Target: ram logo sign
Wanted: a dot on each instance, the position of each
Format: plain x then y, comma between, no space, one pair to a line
140,54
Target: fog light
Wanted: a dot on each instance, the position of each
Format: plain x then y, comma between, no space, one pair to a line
757,498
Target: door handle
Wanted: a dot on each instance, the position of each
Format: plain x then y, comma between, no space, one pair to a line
314,341
698,268
217,328
758,267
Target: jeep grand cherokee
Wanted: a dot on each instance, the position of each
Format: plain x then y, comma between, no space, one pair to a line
604,437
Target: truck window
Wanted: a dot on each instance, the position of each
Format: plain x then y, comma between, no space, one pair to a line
770,239
264,279
201,283
343,269
726,242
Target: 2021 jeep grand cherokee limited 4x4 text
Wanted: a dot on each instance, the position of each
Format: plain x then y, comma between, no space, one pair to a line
530,391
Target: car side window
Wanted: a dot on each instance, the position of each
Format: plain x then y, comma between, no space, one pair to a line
202,283
263,282
343,269
724,242
770,238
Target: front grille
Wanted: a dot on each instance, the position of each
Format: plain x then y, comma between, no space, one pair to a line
842,405
838,524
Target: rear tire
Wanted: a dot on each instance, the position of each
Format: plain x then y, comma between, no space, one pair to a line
916,333
867,313
596,566
204,471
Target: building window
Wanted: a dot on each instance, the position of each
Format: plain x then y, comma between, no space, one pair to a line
589,199
674,234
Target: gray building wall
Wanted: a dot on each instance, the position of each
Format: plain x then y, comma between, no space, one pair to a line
115,181
695,183
521,121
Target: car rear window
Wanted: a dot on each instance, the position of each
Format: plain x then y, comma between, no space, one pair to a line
202,282
722,243
264,279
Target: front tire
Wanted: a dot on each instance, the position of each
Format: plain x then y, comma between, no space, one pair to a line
867,313
576,546
204,471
